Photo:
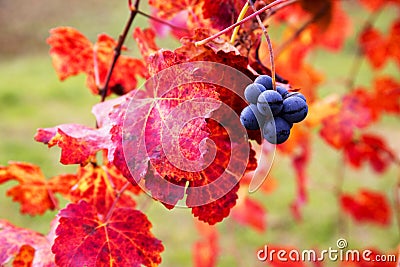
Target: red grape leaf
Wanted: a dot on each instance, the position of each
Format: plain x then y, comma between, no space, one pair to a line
72,53
369,148
99,186
34,192
77,142
374,47
367,206
25,246
250,212
147,120
394,40
386,96
85,238
355,112
206,249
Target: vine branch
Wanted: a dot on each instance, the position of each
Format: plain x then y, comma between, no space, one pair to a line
281,3
271,51
117,50
114,204
358,58
162,21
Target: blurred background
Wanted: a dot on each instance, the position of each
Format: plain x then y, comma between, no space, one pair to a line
31,97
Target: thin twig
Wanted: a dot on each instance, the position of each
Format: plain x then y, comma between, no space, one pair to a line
117,50
282,4
271,51
162,21
358,56
114,204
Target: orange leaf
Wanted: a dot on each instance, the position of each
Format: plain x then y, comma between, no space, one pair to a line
99,186
72,53
28,248
367,206
24,257
34,192
321,109
85,239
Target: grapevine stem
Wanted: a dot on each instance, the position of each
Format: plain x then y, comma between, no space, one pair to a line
282,4
117,50
114,205
358,58
241,16
271,51
162,21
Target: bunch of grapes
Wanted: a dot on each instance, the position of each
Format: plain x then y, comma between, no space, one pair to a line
272,111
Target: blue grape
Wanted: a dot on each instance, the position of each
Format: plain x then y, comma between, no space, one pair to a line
252,92
296,94
277,130
269,102
282,91
265,81
294,109
251,118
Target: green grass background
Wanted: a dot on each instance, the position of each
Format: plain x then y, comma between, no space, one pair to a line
32,97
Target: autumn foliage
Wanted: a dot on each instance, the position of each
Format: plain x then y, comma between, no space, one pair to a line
123,155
